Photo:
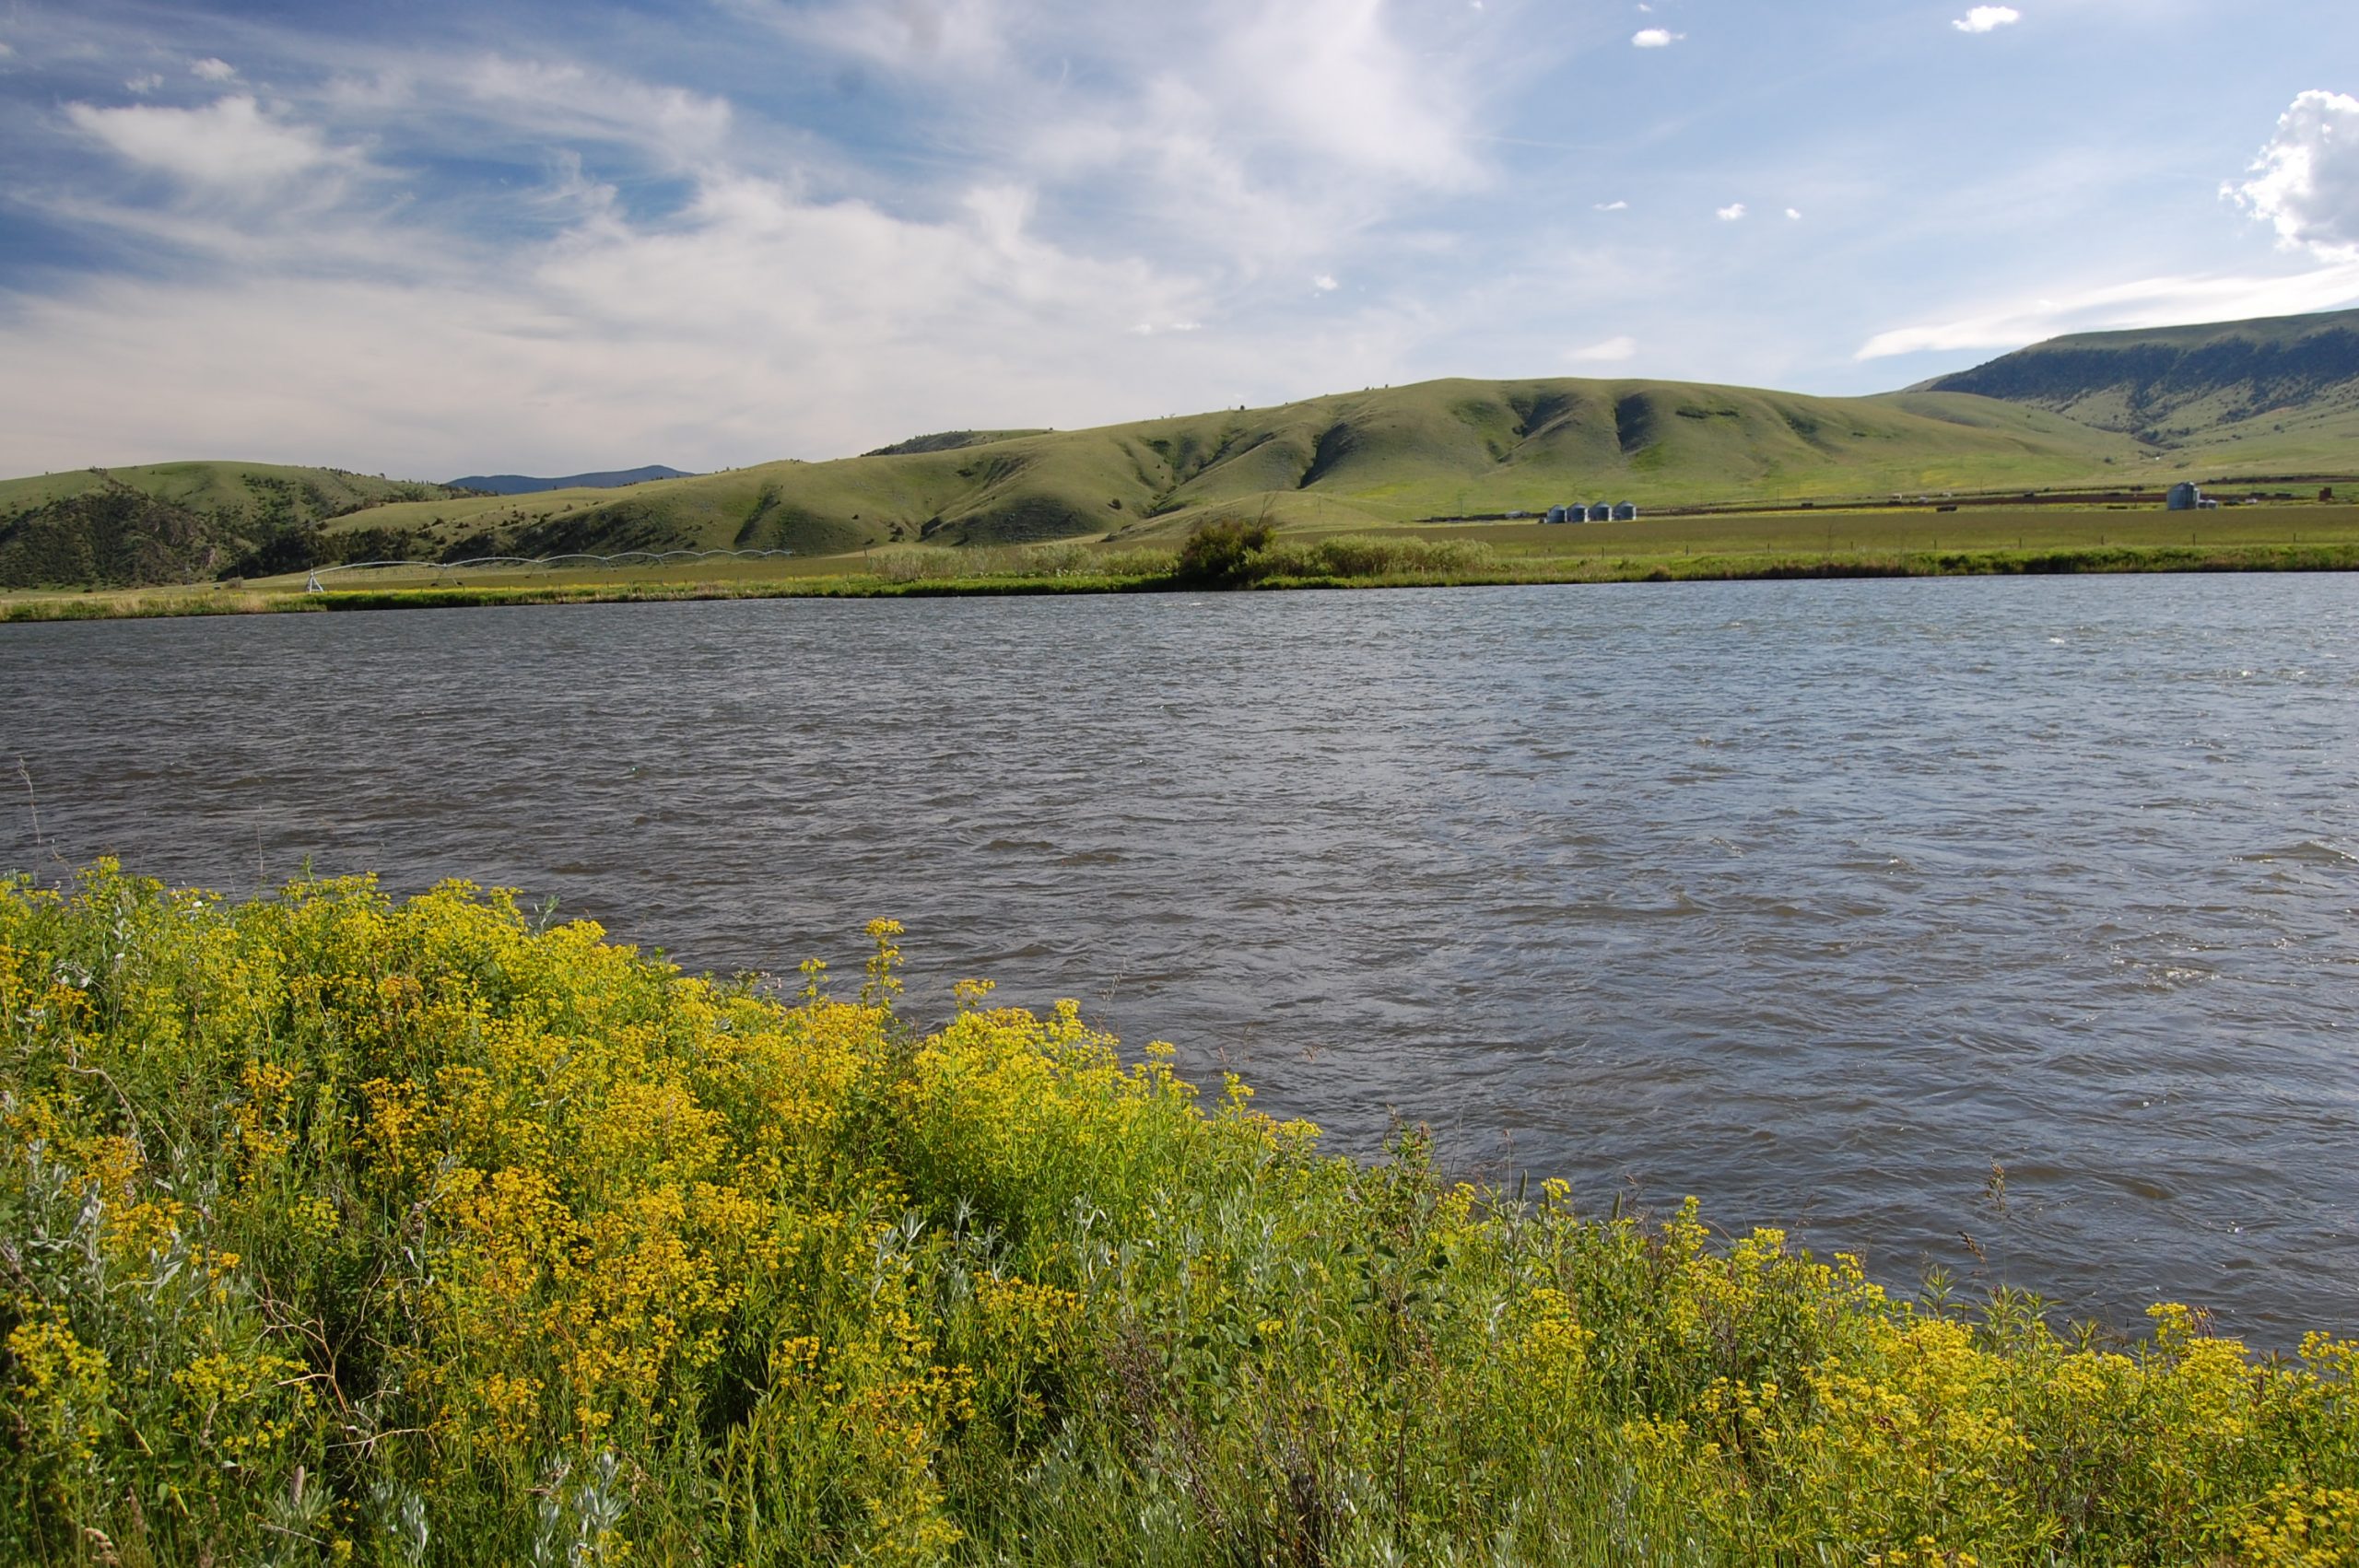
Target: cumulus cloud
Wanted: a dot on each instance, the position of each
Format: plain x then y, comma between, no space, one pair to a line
2148,302
757,323
214,70
1655,38
1612,351
145,83
1614,206
1325,284
1732,213
2306,181
227,144
1794,214
1988,19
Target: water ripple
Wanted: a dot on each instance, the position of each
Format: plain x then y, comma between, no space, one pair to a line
1812,899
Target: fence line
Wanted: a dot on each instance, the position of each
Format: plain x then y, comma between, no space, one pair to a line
654,557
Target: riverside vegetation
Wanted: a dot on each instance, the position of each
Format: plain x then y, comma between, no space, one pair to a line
1228,553
337,1228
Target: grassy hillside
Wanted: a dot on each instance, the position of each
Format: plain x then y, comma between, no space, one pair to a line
338,1230
2236,391
949,440
1348,462
173,522
1342,463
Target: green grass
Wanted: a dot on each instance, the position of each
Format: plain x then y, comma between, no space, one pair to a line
1345,464
1349,463
1876,543
337,1229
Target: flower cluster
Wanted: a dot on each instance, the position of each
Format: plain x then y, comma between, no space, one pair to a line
334,1227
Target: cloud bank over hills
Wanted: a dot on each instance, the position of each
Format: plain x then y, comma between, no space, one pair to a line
448,237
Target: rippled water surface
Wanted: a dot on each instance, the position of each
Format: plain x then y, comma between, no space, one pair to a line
1811,899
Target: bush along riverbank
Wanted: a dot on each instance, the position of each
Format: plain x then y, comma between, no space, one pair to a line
340,1229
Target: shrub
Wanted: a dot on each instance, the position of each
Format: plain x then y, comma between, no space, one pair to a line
335,1228
1221,551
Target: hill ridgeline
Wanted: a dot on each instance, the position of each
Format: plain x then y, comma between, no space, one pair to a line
2112,410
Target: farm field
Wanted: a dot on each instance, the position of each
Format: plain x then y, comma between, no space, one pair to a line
1786,542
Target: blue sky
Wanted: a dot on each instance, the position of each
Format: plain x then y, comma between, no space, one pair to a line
430,239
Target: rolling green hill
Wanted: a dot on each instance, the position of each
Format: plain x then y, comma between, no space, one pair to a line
173,522
2283,390
1447,447
2114,410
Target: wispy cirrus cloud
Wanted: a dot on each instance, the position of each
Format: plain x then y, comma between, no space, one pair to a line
2145,302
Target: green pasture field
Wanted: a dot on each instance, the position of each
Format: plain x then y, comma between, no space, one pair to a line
1915,540
1837,533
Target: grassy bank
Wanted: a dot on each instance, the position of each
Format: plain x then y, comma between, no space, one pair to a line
339,1229
1398,560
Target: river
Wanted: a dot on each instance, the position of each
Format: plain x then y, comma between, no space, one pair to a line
1814,900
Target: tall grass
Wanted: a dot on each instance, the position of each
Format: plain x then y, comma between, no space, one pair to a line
1066,558
1362,558
335,1228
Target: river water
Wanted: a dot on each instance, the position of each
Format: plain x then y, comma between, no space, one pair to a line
1814,900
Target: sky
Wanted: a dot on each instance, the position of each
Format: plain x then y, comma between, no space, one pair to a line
430,239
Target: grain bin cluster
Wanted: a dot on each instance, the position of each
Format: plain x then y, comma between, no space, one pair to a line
1603,511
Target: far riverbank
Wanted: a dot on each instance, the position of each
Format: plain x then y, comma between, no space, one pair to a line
210,599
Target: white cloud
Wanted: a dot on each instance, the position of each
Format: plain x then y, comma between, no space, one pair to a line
1655,38
229,144
1614,206
143,84
2306,181
1325,284
1988,19
1612,351
946,39
563,101
214,70
1337,80
1732,213
2148,302
757,323
5,48
1795,214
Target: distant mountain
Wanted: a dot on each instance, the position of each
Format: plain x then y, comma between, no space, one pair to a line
2189,386
948,440
525,485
